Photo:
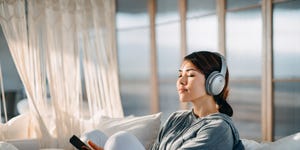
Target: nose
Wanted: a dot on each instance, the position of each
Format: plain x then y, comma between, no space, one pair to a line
182,80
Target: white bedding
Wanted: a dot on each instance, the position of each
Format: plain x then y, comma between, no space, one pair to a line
19,133
291,142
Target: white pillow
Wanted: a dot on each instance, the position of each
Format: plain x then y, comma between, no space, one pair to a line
291,142
22,106
250,144
145,128
95,136
25,144
15,128
7,146
88,124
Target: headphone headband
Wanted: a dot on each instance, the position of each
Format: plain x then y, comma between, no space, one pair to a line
224,66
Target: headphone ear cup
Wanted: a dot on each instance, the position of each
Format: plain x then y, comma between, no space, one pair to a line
215,83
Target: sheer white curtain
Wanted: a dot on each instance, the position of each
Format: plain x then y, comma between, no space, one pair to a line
2,98
13,23
48,41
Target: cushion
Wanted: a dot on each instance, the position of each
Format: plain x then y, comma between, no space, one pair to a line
145,128
291,142
22,106
15,128
250,144
25,144
96,136
7,146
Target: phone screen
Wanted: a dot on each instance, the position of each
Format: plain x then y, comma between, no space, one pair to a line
76,142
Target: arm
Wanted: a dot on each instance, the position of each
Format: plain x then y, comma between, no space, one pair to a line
165,128
159,137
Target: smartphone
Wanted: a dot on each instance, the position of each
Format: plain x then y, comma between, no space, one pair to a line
76,142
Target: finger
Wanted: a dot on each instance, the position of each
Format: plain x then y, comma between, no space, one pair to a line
85,148
94,146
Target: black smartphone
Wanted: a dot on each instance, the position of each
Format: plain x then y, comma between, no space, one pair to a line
76,142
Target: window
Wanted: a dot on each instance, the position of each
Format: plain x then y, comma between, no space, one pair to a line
12,85
133,41
243,49
168,46
202,28
286,34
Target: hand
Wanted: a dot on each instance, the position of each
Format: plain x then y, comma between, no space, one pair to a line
94,146
85,148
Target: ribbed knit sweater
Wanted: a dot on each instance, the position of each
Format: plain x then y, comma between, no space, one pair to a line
184,131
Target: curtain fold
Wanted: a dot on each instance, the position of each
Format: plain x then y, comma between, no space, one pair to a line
57,45
14,25
2,99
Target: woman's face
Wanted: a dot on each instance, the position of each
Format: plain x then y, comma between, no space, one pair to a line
190,83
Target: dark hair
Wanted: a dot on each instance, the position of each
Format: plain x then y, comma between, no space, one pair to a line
208,62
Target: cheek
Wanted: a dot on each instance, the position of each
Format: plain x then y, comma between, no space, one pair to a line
198,88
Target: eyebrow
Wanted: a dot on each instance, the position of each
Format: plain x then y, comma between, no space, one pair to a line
187,70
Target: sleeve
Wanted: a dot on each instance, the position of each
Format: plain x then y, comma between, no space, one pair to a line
214,135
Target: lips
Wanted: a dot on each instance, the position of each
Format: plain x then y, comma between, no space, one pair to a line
182,90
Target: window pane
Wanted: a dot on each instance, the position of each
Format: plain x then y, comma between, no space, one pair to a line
12,85
132,13
245,99
233,4
167,11
243,41
243,37
202,29
198,8
168,46
287,108
11,79
202,33
134,70
133,56
286,34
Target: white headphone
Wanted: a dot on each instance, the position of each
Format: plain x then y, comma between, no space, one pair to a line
215,82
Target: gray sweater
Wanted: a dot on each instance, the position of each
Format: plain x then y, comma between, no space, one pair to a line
184,131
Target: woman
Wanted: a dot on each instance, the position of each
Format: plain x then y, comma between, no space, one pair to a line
203,81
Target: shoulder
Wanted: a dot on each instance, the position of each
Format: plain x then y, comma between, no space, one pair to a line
180,113
178,116
218,122
218,118
220,126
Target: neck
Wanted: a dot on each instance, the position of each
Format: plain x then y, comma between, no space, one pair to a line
205,106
